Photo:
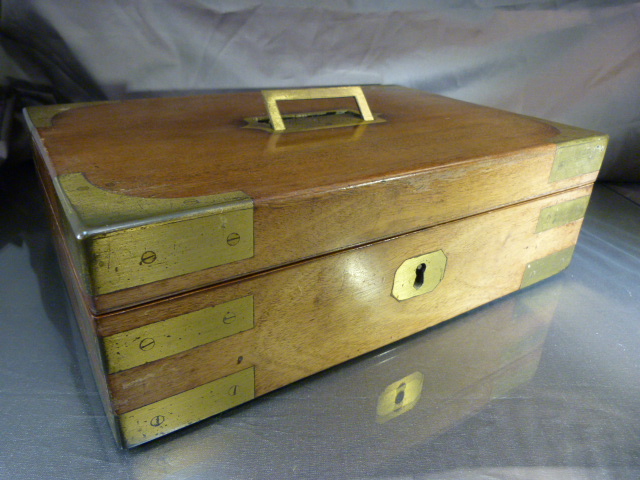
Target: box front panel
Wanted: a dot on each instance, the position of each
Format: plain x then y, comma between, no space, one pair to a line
317,314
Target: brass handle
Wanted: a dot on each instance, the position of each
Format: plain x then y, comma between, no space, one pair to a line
271,98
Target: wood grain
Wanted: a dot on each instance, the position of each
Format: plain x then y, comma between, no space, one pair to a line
84,319
434,160
323,312
193,146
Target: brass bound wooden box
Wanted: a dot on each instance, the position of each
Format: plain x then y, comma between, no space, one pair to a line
219,247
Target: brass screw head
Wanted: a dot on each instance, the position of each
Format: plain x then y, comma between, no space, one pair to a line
148,257
233,239
229,318
157,421
147,344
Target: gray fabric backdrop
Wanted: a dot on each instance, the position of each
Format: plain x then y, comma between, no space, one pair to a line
575,62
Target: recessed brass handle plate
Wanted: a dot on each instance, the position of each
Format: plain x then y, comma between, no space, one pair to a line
271,97
419,275
275,121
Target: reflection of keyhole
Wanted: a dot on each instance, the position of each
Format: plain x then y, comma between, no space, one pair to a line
419,276
400,395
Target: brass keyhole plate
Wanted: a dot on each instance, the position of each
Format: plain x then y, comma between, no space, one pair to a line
419,275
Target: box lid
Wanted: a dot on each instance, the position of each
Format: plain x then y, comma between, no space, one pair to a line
161,196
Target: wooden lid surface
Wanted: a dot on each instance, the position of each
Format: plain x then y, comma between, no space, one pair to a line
194,146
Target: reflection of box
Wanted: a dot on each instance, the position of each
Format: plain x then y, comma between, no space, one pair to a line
212,263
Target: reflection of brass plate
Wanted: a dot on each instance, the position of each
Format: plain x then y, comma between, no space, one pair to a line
302,122
399,397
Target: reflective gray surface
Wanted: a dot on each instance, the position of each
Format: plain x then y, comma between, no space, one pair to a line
542,384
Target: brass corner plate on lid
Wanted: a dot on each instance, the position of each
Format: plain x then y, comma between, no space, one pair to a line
125,241
42,116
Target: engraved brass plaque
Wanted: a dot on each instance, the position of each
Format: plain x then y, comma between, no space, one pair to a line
546,267
161,339
578,157
129,241
399,397
562,214
152,421
419,275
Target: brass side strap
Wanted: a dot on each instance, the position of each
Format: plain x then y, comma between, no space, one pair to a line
546,267
562,213
157,419
168,337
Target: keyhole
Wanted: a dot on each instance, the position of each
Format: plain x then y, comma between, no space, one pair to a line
419,276
400,394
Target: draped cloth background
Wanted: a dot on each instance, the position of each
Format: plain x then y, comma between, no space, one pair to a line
575,62
578,417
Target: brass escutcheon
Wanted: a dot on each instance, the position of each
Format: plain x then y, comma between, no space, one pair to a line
419,275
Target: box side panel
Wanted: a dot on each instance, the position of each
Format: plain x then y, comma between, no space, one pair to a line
84,319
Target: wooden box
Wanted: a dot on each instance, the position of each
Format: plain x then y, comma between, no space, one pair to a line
214,254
